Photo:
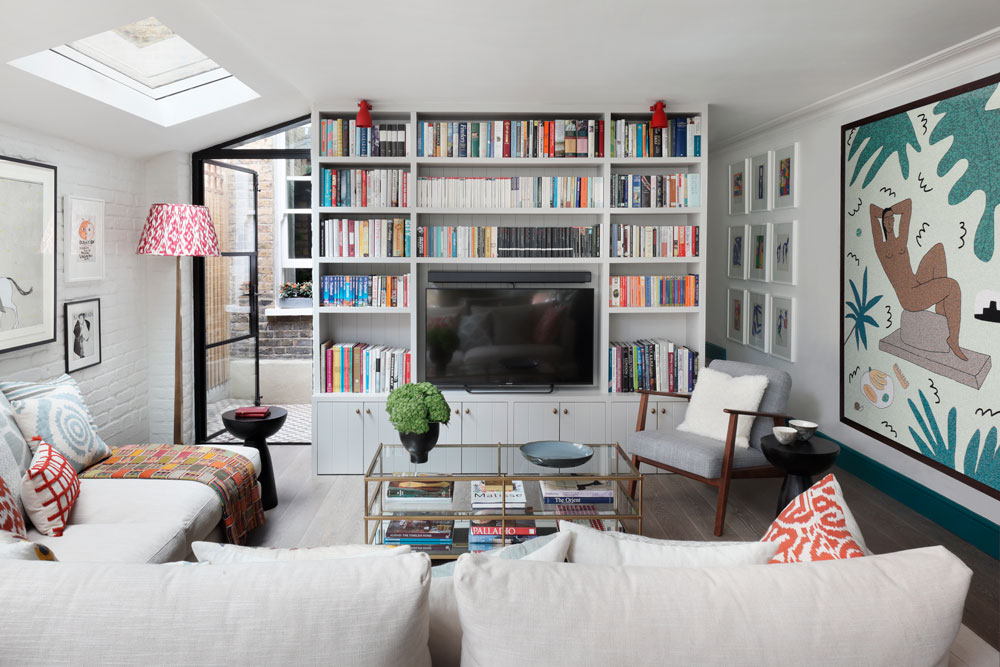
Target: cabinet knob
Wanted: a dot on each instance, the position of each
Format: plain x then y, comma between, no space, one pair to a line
456,411
565,411
368,411
467,411
358,411
663,411
652,411
555,411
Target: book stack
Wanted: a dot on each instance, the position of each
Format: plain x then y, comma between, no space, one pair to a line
570,511
409,488
364,187
365,291
572,492
511,138
490,495
653,291
364,238
655,241
421,535
646,191
363,368
511,191
656,365
477,242
681,138
340,137
486,535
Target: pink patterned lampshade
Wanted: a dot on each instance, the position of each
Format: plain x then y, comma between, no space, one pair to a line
178,230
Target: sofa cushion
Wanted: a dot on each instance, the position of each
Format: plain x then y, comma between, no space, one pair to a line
56,412
903,608
359,612
11,435
213,552
694,453
714,393
138,542
49,490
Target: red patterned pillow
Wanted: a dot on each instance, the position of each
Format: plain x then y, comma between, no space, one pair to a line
49,490
816,526
11,520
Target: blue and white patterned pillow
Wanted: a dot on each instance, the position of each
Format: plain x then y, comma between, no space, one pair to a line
56,412
11,435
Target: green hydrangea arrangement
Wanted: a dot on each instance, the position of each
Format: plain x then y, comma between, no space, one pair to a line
413,407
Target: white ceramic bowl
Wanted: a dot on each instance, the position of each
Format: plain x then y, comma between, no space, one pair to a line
786,435
805,429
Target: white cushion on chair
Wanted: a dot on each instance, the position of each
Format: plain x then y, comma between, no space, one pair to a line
716,392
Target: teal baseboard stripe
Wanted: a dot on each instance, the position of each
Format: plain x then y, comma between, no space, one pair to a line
971,527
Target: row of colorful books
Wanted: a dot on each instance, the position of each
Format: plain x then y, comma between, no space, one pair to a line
421,534
656,191
364,368
511,138
364,187
340,237
653,291
365,291
655,240
340,137
681,138
656,365
493,241
511,191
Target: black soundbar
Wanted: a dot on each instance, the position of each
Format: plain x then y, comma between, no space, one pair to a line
508,276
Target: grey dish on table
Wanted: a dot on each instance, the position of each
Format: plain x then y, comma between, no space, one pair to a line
556,453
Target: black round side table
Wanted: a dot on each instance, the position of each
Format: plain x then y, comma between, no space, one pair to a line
800,461
254,431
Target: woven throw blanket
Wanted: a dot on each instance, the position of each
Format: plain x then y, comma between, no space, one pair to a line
230,474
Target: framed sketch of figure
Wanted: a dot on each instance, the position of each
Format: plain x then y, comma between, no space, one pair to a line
736,318
756,320
760,182
738,199
83,333
738,252
782,330
786,177
783,253
758,256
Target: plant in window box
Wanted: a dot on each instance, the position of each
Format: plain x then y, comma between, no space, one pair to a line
417,411
295,295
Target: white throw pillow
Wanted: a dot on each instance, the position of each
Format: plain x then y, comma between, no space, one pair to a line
716,392
593,547
211,552
903,608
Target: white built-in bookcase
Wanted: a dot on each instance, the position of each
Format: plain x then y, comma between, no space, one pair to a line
347,427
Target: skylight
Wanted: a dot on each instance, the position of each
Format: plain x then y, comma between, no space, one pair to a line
144,68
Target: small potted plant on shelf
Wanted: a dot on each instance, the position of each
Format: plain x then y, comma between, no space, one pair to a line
296,295
417,411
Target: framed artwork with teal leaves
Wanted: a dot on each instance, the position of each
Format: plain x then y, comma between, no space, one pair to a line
920,293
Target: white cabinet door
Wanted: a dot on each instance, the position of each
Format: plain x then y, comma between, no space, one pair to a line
583,422
483,423
538,420
340,439
447,459
663,420
623,416
378,430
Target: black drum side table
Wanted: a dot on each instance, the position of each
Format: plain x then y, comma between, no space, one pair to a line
800,461
254,431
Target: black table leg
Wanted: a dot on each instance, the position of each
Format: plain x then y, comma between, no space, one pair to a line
791,488
268,492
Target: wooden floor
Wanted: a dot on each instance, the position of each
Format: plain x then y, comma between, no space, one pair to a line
321,510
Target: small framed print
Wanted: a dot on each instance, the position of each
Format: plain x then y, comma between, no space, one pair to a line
782,309
783,253
786,177
83,333
738,188
756,320
757,252
738,252
760,182
736,317
84,234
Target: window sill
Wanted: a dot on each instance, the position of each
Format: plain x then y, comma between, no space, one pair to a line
288,312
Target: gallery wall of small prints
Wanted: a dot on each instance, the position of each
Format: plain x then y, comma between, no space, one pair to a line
764,252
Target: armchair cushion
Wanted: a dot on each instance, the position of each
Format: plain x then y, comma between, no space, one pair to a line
693,453
717,391
779,385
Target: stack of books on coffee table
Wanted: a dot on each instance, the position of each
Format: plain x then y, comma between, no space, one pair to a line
489,495
573,492
489,534
409,489
421,535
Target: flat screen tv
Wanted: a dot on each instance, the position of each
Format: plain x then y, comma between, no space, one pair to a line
487,337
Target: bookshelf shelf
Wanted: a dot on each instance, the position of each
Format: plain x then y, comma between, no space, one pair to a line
344,437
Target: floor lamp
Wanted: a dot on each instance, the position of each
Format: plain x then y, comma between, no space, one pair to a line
178,230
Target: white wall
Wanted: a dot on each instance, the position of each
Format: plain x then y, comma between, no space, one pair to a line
815,391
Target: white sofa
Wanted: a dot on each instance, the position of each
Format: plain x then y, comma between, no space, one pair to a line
140,520
895,609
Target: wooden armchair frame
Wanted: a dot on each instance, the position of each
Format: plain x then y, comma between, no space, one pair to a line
728,472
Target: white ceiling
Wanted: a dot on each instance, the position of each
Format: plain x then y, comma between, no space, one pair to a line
752,60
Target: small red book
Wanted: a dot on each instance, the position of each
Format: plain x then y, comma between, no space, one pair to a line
253,411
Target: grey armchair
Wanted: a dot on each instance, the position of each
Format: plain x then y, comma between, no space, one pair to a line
709,461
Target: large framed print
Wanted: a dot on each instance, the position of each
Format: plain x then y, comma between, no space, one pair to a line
756,314
28,259
738,252
758,253
736,316
781,318
919,288
84,239
783,253
83,333
786,177
760,182
738,200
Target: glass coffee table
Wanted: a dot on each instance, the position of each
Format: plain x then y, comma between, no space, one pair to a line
458,467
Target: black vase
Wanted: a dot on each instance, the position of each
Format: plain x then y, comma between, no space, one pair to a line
418,444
